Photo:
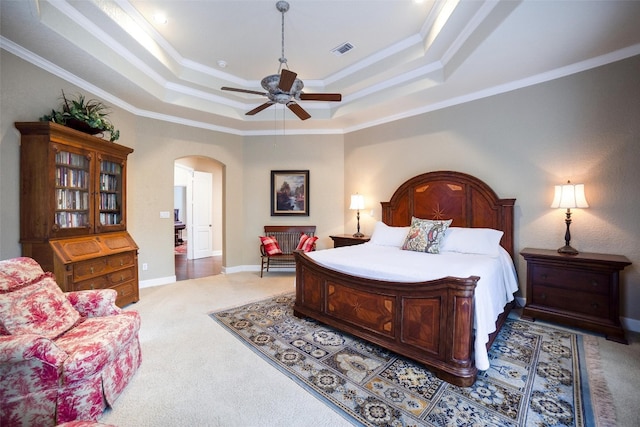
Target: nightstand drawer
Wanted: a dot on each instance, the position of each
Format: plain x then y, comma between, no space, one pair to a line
566,278
572,301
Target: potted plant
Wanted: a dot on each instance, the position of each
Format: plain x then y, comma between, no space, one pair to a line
89,116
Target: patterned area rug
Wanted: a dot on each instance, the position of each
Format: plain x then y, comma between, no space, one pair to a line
539,376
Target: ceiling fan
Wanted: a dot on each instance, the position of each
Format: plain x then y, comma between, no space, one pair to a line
284,87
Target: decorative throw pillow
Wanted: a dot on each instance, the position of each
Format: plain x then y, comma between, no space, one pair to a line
40,308
425,235
303,239
308,244
270,244
18,272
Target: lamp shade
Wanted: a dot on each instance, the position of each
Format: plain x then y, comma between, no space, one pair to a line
569,196
357,202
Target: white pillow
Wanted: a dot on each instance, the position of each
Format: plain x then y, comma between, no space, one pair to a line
484,241
384,235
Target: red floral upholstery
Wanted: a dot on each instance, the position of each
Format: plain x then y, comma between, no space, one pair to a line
73,372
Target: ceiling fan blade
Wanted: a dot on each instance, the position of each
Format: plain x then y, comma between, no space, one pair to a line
320,97
298,111
233,89
258,108
287,78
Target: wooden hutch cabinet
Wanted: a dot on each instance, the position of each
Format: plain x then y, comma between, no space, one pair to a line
73,209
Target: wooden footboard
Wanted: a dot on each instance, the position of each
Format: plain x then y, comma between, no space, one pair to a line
430,322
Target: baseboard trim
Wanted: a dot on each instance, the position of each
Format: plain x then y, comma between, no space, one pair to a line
157,282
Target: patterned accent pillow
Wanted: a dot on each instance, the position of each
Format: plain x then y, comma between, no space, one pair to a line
40,308
18,272
425,235
308,244
270,244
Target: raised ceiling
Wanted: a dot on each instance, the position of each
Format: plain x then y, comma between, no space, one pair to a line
409,57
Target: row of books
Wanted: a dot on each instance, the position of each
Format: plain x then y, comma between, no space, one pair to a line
71,219
72,199
109,183
71,159
110,167
108,201
109,219
69,177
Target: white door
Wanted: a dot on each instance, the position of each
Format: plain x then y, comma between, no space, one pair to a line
202,232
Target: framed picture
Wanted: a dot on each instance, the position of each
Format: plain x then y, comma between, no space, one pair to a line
290,193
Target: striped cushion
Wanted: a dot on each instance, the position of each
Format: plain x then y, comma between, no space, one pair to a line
270,244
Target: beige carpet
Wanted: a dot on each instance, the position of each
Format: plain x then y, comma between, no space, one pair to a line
195,373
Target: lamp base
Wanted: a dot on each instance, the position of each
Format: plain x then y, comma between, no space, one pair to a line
358,234
568,250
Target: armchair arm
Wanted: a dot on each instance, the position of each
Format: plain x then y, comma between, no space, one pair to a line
19,348
94,303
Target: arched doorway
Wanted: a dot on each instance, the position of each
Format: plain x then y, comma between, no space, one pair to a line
198,207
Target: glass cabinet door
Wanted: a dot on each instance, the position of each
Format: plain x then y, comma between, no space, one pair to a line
72,191
110,200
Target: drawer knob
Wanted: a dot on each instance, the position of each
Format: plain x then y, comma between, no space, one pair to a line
595,305
92,286
544,277
121,277
121,263
543,296
91,270
594,283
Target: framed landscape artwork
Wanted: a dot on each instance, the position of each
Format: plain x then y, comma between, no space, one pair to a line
290,193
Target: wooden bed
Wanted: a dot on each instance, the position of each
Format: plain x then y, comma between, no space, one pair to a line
430,322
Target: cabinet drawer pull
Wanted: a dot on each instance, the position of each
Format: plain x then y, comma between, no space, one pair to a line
594,283
92,286
544,276
543,296
121,263
594,305
91,270
121,277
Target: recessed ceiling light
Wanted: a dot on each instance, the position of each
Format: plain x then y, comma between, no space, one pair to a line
160,18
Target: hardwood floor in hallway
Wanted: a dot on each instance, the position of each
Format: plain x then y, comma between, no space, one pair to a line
196,268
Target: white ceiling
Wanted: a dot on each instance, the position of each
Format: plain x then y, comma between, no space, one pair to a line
410,57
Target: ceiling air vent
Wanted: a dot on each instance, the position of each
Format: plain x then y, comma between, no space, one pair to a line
342,49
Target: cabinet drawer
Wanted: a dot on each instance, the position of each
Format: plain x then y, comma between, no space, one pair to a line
99,282
121,276
121,260
86,269
127,293
582,281
571,301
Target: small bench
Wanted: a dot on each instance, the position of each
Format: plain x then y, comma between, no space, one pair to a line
288,237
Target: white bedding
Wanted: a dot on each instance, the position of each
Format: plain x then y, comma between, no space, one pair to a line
495,288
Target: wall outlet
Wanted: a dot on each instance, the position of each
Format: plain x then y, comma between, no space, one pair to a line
145,266
164,214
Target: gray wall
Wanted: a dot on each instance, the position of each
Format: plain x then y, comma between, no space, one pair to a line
583,127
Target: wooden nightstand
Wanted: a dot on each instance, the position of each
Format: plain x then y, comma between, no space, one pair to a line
576,290
348,240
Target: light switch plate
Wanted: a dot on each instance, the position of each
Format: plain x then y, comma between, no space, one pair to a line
164,214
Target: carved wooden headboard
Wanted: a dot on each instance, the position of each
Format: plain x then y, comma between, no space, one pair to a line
451,195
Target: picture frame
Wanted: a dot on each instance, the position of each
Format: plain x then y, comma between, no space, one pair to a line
289,193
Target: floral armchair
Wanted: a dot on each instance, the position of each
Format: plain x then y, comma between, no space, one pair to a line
63,356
